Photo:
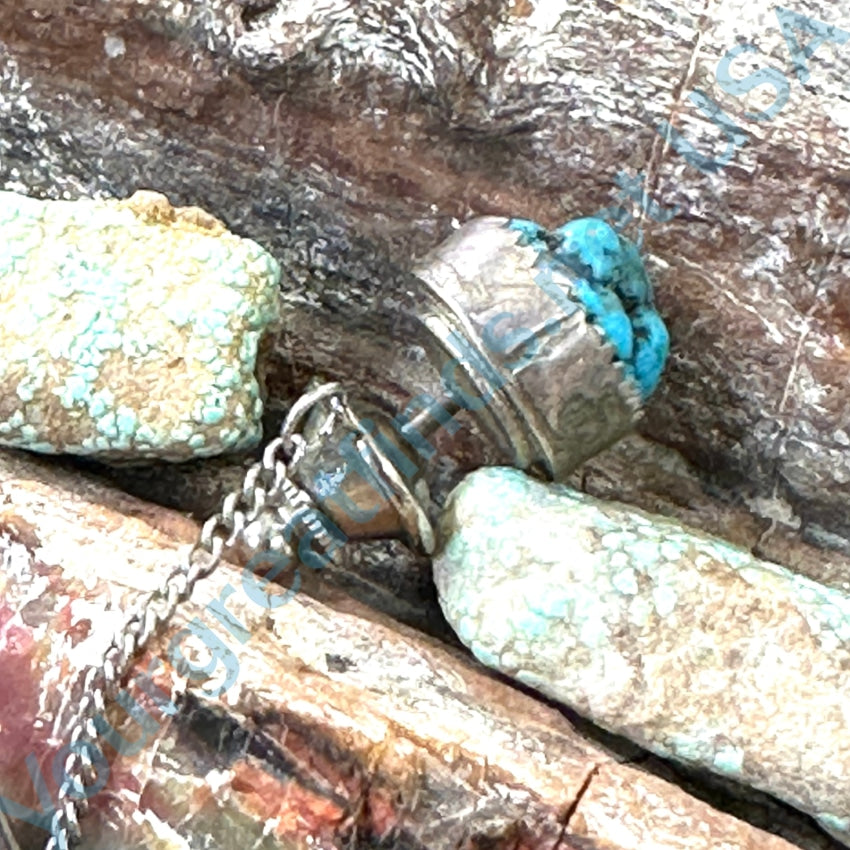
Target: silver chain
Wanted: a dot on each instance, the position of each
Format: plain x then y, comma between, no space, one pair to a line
267,487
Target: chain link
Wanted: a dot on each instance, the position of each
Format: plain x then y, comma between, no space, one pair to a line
266,488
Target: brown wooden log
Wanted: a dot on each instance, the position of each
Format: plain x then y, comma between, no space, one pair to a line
338,727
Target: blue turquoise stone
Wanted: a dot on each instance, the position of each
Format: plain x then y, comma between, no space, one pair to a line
130,330
611,284
688,645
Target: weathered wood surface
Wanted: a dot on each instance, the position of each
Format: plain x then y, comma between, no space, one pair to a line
332,726
347,137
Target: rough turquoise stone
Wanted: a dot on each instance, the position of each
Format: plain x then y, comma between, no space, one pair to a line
611,284
129,329
686,644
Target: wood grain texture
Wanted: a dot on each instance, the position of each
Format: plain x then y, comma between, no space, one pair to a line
337,728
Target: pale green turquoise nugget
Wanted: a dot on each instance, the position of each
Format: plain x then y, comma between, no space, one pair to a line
684,643
129,329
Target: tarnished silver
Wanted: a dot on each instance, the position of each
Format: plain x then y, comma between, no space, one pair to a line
366,480
486,335
552,392
268,491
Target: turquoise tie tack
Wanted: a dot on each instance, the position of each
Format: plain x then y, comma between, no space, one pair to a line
549,340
